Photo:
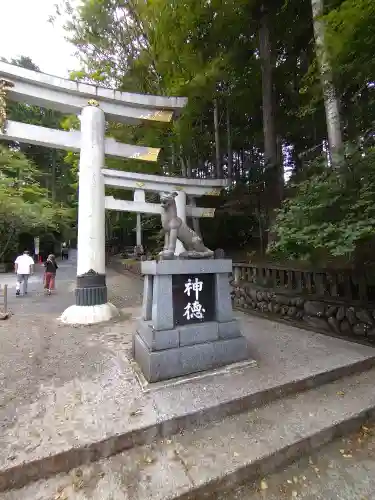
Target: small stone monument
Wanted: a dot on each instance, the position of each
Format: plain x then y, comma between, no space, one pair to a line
187,323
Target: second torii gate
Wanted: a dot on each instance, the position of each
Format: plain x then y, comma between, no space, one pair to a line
140,183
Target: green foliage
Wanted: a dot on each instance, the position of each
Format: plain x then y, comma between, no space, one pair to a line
329,213
55,174
51,177
351,39
207,50
24,206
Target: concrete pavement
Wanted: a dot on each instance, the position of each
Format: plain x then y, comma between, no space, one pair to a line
342,470
123,291
70,396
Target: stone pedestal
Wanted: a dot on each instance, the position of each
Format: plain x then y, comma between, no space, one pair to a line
187,321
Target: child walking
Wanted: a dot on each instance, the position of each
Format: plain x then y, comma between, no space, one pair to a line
50,273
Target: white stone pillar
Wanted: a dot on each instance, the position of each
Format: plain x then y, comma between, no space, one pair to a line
181,212
139,231
91,211
91,291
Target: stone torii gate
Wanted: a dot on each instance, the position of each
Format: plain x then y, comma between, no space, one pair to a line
95,105
140,183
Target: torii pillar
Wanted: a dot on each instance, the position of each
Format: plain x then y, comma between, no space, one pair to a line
91,304
181,212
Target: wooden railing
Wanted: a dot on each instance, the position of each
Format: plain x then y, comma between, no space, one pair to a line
333,301
4,301
347,285
337,302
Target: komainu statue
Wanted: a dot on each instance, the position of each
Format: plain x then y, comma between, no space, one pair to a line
175,228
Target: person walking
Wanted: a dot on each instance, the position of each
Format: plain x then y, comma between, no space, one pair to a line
50,273
23,267
64,252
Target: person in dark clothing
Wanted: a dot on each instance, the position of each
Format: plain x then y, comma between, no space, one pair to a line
50,273
64,252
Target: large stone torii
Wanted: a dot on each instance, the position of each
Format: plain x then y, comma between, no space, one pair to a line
95,104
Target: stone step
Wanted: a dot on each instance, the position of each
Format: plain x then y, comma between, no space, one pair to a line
71,422
201,462
168,408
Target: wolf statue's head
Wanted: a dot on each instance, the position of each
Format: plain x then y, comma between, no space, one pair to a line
167,199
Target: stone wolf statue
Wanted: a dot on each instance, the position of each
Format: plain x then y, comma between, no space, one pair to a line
174,228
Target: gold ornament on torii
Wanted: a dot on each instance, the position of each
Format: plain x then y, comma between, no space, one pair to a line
5,85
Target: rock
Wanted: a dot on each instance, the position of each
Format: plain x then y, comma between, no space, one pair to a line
292,311
334,324
345,327
294,301
219,253
360,329
276,308
350,314
364,317
316,323
260,296
270,295
331,311
341,313
299,314
371,334
299,302
270,307
284,310
252,294
282,299
313,308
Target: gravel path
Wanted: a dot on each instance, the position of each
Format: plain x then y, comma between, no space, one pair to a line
35,350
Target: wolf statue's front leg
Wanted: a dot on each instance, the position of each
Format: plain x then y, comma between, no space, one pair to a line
169,245
166,241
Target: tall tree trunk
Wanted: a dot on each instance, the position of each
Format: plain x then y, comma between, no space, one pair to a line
274,173
189,167
229,144
173,156
280,157
331,101
219,171
242,163
183,164
195,220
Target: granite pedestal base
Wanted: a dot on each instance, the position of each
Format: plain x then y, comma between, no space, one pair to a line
167,345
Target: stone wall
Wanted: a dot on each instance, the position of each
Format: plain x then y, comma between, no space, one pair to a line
292,302
324,301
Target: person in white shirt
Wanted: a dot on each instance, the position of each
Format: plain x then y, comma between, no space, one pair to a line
23,266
